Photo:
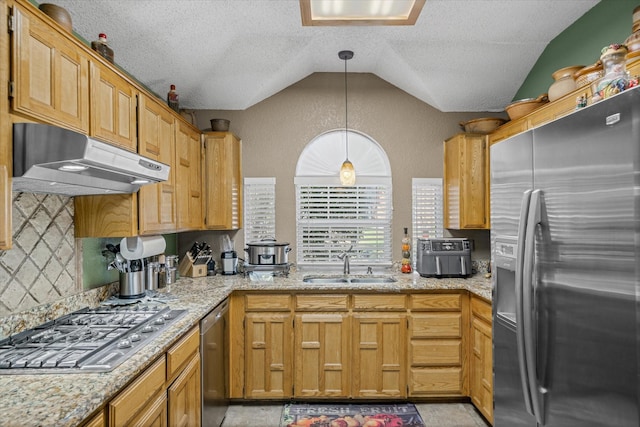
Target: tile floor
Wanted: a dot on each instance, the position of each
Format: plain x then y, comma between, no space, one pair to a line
433,414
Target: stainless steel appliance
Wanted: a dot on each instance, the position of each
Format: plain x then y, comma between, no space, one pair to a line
87,340
267,252
54,160
215,397
229,262
449,257
565,249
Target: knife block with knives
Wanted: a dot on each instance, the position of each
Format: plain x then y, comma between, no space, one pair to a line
194,263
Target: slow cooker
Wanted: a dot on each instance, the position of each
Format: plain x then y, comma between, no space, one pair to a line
267,252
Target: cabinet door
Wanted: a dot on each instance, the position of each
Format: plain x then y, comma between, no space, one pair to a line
157,141
134,398
322,355
481,384
51,74
379,355
223,181
154,415
113,108
482,368
184,396
466,182
268,355
451,183
188,177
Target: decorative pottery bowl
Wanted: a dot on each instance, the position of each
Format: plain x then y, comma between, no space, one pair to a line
483,125
58,14
521,108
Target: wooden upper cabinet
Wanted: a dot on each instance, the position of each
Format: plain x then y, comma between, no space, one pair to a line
156,127
222,181
51,75
188,177
466,182
113,108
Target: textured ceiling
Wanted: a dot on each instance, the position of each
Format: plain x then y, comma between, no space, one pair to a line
467,55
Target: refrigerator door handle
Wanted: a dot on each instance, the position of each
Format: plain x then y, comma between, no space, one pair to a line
528,304
522,361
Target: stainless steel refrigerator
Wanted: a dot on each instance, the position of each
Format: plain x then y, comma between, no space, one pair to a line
565,236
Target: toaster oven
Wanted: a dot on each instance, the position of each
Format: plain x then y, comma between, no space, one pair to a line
447,257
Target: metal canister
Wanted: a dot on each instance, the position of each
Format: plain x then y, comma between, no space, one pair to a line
152,276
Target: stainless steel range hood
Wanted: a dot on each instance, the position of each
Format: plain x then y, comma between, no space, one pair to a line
52,160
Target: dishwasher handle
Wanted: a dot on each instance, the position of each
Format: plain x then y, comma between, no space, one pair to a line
214,316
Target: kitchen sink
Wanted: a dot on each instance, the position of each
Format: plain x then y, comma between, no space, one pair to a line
343,279
325,279
372,280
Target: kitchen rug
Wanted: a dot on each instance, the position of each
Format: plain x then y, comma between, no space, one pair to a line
350,415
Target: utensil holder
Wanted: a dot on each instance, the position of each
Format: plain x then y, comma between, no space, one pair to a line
132,285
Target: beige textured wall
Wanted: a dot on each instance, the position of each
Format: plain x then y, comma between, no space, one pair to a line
275,131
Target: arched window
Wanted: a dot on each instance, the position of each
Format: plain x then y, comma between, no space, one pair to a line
332,218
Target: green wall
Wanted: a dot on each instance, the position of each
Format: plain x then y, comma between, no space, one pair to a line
94,264
607,22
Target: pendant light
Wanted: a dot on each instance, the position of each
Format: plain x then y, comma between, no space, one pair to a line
347,172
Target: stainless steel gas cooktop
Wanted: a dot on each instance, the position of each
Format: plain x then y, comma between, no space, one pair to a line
88,340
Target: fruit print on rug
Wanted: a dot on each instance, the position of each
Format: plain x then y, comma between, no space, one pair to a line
350,415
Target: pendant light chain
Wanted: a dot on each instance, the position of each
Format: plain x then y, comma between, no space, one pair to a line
347,171
346,109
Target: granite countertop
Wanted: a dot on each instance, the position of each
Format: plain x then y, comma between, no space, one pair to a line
68,399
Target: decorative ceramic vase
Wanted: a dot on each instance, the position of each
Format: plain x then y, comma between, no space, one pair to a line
563,82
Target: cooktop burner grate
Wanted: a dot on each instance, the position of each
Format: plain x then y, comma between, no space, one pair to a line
88,340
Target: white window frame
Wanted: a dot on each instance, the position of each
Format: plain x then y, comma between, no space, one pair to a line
331,218
427,210
329,224
259,209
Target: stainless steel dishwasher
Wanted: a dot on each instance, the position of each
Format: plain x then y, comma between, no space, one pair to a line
215,398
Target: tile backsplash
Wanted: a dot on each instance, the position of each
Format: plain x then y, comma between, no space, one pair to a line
41,266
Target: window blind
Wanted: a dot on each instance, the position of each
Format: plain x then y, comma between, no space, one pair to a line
332,218
427,219
259,209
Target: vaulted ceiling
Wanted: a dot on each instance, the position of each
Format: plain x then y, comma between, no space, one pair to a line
462,55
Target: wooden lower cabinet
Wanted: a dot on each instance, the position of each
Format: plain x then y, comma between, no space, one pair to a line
379,355
268,355
184,396
322,355
437,345
154,414
481,354
133,400
355,345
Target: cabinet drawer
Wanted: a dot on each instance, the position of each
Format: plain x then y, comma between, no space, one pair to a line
435,381
436,302
321,302
379,302
436,352
182,351
265,302
481,309
133,398
436,325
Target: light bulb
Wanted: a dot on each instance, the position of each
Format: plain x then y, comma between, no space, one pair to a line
347,173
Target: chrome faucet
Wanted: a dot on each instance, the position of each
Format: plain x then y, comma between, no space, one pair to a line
346,269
